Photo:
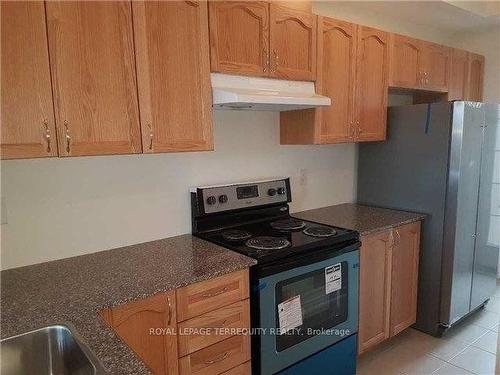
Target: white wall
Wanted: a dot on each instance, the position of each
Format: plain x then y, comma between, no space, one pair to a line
57,208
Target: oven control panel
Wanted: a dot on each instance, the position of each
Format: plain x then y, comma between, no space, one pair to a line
236,196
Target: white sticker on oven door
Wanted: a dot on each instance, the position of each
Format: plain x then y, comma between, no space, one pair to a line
290,314
333,278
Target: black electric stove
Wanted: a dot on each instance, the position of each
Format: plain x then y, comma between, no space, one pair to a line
256,222
314,266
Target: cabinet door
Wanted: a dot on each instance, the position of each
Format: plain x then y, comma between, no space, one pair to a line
27,114
92,62
336,78
371,84
459,75
476,78
133,321
292,43
374,289
239,37
436,64
173,75
404,277
405,60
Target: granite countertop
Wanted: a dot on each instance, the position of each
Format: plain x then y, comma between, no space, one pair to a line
364,219
75,289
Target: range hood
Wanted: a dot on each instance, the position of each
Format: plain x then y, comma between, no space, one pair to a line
263,94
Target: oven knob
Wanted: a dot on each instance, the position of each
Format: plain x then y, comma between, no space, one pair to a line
281,191
223,198
211,200
271,192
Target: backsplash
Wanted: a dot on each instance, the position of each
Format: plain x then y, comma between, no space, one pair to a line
56,208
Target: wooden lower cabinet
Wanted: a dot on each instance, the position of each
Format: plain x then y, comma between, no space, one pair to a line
217,358
234,316
374,289
157,330
132,323
244,369
404,276
388,284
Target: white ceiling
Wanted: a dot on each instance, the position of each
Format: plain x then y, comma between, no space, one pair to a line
449,16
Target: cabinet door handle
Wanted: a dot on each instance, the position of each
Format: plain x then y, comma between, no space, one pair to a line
276,60
358,129
151,136
47,135
169,303
209,295
398,237
219,359
67,136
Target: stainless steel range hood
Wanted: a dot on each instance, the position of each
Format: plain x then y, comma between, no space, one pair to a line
263,94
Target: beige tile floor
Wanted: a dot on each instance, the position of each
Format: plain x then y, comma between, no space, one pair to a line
470,348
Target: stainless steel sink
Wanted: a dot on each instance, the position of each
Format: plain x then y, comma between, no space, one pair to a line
51,350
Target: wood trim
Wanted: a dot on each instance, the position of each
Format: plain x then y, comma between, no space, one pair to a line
349,30
243,369
368,278
459,75
98,120
26,91
398,325
259,10
279,14
166,125
202,297
217,358
475,93
393,79
132,322
234,316
300,127
303,6
379,123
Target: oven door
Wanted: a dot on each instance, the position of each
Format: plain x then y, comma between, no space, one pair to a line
307,308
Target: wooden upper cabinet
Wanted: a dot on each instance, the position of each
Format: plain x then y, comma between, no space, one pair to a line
371,82
375,289
292,44
239,37
404,276
436,65
27,115
475,77
405,59
133,322
173,75
92,62
459,75
336,78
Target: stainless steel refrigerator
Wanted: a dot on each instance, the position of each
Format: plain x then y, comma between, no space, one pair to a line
442,159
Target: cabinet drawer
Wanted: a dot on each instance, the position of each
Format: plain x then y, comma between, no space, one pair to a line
199,298
243,369
217,358
206,328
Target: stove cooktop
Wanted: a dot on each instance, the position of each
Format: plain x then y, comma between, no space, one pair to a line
275,239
